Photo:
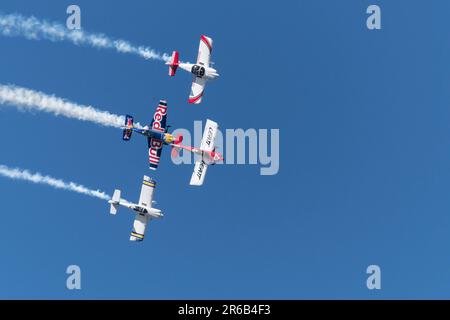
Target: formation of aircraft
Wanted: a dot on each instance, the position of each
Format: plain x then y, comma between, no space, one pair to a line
156,133
157,136
207,152
144,209
202,70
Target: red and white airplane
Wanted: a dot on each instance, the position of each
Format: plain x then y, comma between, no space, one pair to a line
202,70
207,152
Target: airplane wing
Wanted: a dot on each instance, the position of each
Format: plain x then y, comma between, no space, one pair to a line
207,144
159,123
145,200
198,176
147,189
138,232
209,136
197,90
204,51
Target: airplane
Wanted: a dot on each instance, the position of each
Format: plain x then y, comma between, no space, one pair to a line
207,151
156,134
202,70
144,210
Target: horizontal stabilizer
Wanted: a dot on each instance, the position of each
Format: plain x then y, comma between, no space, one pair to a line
115,202
173,64
128,130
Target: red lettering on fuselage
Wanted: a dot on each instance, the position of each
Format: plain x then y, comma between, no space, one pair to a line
157,144
153,155
160,112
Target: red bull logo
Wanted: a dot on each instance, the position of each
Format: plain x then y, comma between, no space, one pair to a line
155,146
153,156
161,111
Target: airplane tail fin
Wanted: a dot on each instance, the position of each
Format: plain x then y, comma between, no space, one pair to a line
115,202
173,63
216,156
128,128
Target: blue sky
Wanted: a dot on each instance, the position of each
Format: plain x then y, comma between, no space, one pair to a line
364,154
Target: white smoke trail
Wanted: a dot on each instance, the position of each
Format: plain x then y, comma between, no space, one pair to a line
35,29
19,174
27,99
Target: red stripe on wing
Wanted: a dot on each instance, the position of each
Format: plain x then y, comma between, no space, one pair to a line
205,40
196,98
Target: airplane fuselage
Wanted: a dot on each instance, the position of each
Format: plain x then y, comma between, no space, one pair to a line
165,137
209,157
199,70
153,212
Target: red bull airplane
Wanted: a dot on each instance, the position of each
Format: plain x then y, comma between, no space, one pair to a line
156,134
202,70
207,152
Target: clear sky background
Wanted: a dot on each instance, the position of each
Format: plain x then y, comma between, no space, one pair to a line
364,119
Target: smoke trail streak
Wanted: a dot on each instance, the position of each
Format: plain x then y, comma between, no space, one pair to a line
35,29
19,174
27,99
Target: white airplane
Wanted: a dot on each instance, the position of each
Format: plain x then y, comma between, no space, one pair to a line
144,210
202,70
207,152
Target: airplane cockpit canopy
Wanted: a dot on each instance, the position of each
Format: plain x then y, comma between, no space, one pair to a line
198,71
